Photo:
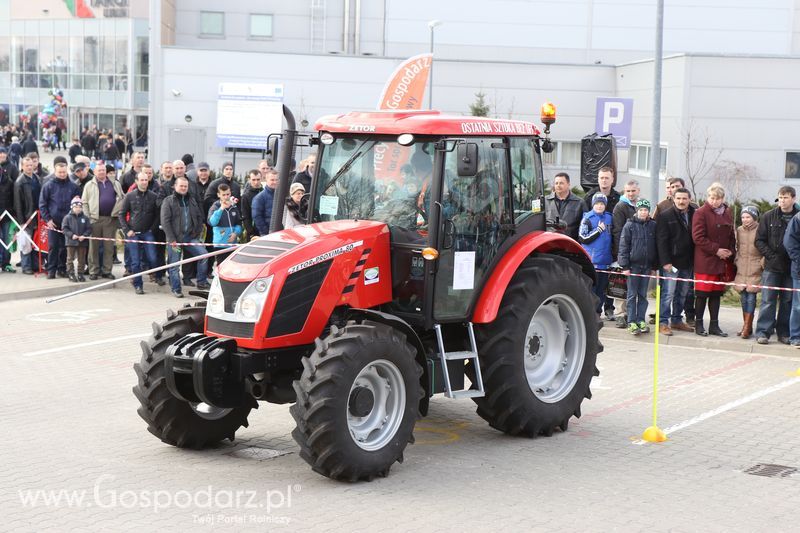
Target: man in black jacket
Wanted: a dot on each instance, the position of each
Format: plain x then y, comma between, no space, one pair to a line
198,186
605,185
29,145
227,178
676,258
8,175
254,179
27,189
89,143
74,151
137,161
563,204
54,205
777,271
137,219
183,222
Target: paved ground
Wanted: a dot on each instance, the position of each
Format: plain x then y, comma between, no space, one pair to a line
71,430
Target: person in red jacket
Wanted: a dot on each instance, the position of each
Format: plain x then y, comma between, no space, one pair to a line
714,248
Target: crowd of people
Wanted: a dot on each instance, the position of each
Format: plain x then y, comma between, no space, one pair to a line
697,252
178,211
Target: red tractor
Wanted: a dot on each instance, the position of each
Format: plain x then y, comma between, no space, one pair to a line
425,259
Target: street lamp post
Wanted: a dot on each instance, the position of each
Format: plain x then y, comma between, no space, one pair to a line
432,25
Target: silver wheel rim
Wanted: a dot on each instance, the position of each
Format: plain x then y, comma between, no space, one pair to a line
383,379
555,347
209,412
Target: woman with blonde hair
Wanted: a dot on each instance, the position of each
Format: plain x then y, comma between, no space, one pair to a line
748,267
715,244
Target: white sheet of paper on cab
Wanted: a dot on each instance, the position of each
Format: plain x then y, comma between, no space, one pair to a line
463,271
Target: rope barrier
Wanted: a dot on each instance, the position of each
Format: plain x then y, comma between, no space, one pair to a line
692,280
118,239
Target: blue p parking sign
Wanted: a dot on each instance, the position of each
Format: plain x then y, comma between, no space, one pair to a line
615,116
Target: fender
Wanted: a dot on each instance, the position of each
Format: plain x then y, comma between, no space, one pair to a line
488,303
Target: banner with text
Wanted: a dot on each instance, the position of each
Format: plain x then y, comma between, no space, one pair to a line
247,113
405,90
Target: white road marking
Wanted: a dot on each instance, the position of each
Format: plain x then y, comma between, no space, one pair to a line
84,344
597,381
727,407
74,317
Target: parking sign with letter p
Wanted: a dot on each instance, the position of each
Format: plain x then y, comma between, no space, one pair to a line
615,116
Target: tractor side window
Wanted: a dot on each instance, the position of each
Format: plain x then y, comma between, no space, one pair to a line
473,207
525,180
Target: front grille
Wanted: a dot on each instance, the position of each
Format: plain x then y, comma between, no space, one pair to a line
242,330
260,251
296,299
231,290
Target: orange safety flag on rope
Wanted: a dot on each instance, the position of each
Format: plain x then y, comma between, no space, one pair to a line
404,90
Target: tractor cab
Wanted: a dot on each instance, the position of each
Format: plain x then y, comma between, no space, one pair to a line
453,191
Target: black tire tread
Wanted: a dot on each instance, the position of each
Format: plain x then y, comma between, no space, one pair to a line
320,385
170,419
503,406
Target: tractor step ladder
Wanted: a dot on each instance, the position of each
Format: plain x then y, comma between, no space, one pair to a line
444,357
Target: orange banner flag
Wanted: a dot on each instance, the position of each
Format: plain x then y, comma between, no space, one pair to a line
405,90
406,86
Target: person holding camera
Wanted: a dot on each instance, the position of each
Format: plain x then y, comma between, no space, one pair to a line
225,219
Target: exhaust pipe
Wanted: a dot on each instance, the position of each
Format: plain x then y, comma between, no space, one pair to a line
284,168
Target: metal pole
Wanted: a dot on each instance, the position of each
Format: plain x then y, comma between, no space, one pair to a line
430,74
655,147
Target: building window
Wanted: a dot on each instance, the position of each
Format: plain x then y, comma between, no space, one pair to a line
212,23
565,154
792,165
260,26
639,159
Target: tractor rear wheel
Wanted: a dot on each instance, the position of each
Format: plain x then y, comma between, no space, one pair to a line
357,401
538,356
175,421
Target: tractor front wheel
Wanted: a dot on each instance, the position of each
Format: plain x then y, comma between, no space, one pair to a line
538,356
357,401
171,419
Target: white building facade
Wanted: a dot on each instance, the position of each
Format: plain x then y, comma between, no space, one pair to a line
730,87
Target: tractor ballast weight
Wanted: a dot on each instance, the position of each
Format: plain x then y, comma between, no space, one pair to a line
425,262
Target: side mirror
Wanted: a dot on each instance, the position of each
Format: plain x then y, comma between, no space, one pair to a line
467,154
272,151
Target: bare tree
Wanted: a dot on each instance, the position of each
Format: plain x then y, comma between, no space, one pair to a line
737,178
699,155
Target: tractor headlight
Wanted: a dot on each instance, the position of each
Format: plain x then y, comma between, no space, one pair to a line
247,307
216,303
251,302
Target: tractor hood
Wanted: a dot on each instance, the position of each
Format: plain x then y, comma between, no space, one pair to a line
280,290
295,249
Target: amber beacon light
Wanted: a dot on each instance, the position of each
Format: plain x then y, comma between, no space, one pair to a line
548,113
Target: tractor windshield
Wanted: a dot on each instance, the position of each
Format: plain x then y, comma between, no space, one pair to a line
370,178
